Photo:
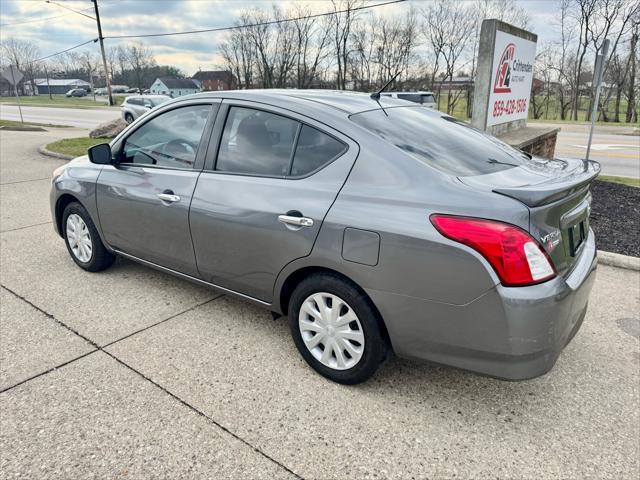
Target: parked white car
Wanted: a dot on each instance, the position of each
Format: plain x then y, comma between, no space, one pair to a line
428,99
135,105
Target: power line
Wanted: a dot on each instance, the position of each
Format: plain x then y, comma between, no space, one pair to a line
259,24
93,40
39,19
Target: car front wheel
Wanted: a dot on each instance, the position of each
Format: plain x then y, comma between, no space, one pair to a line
336,329
83,241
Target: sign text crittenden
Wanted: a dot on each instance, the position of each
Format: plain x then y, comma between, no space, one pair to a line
511,78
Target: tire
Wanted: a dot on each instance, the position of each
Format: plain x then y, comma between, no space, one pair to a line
89,253
128,118
365,339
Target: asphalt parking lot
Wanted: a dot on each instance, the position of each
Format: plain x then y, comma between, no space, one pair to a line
132,373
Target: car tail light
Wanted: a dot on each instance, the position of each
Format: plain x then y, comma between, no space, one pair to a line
516,256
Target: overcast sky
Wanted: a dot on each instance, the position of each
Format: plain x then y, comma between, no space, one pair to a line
53,28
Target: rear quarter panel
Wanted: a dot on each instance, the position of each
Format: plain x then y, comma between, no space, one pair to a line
393,195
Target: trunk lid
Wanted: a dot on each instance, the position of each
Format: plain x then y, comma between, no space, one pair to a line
557,195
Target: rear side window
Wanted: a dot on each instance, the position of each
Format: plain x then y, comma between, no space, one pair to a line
428,99
314,149
440,141
134,101
255,142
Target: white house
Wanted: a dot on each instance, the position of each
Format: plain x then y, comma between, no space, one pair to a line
174,87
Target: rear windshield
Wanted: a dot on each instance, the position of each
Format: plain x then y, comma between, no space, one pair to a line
440,141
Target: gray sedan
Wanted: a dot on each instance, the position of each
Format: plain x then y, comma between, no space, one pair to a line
377,226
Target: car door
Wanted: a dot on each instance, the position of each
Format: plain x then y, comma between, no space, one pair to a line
143,199
268,183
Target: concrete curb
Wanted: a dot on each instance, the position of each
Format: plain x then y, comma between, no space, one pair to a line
617,260
43,150
21,128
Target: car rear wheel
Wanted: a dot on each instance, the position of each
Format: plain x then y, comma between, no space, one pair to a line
128,117
83,241
336,329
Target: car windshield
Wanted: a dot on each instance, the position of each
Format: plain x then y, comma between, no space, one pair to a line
440,141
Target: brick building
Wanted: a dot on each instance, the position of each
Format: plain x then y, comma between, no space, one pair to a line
216,80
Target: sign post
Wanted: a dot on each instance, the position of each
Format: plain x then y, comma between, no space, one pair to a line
502,91
597,81
13,76
506,57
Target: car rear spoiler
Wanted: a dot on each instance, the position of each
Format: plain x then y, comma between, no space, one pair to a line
548,192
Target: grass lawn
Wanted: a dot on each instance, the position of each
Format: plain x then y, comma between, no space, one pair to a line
13,123
60,101
634,182
75,146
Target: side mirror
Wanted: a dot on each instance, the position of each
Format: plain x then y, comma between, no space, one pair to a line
100,154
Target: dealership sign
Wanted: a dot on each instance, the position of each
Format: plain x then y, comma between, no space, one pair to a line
512,76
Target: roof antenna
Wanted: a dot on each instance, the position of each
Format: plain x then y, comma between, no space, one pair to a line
376,95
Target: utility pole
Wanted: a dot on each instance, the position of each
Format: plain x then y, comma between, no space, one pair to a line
104,56
46,72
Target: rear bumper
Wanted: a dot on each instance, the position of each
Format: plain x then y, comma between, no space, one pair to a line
510,333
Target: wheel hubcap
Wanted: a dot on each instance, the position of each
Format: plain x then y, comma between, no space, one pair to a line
79,238
331,331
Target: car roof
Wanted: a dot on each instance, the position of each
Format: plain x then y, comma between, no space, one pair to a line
338,100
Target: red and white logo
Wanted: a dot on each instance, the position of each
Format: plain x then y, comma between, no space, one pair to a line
503,74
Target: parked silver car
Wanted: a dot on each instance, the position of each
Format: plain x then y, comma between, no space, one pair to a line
135,105
375,227
428,99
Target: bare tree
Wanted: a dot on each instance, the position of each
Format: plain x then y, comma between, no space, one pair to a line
632,113
448,44
312,37
284,50
587,9
239,55
343,22
140,60
613,21
91,63
396,39
23,54
364,46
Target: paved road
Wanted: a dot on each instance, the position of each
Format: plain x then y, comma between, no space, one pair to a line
133,373
75,117
618,153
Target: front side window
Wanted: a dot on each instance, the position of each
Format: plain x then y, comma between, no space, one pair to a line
256,143
169,140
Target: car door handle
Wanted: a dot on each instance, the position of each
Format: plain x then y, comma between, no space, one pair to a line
169,197
297,221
